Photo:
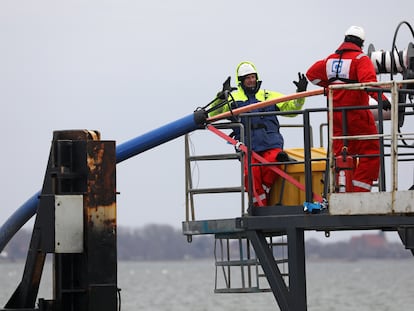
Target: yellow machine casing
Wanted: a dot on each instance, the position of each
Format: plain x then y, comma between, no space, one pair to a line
285,193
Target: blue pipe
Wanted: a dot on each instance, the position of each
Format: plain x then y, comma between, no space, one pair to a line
157,137
124,151
17,220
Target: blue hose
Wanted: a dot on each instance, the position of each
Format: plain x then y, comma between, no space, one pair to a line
17,220
124,151
155,138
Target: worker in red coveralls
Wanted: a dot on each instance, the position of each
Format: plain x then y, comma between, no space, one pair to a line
350,65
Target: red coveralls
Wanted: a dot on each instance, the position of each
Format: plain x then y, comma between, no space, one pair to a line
353,66
263,176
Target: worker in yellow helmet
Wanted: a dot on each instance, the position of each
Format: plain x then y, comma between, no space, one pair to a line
266,138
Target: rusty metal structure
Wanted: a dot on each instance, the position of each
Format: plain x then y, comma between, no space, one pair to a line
76,222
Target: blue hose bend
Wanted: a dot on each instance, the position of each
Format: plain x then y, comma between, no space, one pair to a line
17,220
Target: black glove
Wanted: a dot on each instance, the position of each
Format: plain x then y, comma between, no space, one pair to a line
302,83
227,86
227,89
386,105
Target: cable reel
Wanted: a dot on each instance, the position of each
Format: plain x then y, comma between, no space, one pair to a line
400,62
397,61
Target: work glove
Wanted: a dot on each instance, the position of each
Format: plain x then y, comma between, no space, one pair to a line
386,105
227,89
302,83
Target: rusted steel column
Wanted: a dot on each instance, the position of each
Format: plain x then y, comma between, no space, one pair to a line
85,165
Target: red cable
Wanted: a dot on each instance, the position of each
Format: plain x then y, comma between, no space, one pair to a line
277,170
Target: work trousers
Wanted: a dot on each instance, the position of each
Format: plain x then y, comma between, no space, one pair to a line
263,177
366,166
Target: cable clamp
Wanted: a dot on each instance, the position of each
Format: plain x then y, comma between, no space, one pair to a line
238,145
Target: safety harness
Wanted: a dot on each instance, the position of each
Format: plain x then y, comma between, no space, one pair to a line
338,78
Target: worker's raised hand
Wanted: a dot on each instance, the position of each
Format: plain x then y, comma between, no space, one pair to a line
302,83
227,86
227,89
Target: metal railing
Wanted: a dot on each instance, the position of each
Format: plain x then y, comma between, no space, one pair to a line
191,190
393,137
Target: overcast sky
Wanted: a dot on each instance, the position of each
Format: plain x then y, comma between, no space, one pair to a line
127,67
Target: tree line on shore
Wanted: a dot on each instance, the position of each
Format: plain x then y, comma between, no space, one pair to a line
164,242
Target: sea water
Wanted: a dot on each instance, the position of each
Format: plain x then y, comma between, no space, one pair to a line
364,285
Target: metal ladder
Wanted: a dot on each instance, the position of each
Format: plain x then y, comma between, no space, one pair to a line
191,190
240,269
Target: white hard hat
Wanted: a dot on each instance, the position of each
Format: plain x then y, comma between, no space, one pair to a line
356,31
245,69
